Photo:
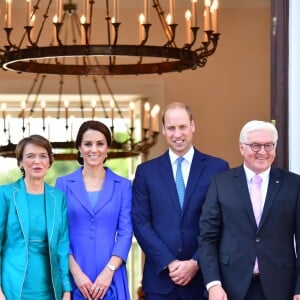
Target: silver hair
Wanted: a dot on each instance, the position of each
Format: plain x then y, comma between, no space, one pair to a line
257,125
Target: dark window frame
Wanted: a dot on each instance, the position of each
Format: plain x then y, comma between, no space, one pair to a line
279,77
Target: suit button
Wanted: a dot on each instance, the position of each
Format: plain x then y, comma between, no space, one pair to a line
257,240
179,250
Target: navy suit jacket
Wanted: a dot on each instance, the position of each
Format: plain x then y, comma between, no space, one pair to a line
164,231
230,240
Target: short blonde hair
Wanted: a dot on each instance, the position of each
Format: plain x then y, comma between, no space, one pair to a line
177,105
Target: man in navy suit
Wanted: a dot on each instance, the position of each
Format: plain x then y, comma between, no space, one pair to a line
166,229
249,251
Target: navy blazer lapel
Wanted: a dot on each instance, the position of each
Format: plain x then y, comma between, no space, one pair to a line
275,182
197,168
19,196
241,186
167,176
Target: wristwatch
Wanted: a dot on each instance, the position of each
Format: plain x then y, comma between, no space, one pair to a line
111,267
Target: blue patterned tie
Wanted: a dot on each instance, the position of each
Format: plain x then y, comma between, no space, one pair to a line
179,181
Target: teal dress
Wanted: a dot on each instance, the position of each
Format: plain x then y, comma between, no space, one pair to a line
37,284
18,225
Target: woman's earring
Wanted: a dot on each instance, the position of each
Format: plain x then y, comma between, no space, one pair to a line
80,154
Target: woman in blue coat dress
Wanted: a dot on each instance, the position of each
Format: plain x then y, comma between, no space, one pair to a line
34,237
99,214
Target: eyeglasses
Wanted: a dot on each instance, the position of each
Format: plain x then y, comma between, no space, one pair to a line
256,147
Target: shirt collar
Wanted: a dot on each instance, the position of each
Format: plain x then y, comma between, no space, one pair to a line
249,174
188,156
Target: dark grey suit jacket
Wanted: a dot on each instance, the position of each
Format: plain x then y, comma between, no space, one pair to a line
229,238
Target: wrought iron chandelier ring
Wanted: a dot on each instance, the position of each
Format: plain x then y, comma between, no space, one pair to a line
177,59
73,58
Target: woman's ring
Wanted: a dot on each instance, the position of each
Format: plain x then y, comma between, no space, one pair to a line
99,289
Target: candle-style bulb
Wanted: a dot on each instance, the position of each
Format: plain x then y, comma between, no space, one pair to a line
146,116
3,107
131,107
154,118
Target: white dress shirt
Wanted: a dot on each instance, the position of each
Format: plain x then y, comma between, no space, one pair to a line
185,165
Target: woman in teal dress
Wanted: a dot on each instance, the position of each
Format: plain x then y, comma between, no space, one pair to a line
34,237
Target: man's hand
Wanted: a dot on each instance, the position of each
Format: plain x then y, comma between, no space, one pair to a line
216,292
182,272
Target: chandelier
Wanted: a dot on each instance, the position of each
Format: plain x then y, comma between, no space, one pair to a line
76,46
96,47
134,124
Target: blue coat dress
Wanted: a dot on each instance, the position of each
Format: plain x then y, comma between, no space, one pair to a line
100,232
15,234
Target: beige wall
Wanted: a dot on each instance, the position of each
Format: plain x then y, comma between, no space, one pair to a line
232,89
234,86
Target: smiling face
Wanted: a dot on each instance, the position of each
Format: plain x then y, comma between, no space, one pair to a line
261,160
178,130
35,161
93,147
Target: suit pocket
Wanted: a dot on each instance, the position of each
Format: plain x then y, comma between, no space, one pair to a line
224,259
